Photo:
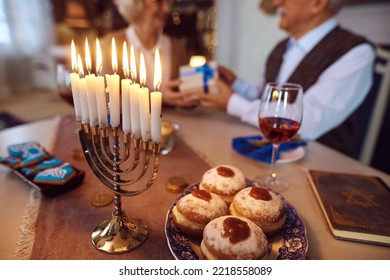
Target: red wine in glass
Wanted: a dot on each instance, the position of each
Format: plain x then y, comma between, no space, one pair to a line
63,84
278,130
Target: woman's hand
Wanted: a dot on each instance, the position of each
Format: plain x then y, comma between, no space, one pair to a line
172,96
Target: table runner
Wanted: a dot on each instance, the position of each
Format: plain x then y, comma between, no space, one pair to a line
64,224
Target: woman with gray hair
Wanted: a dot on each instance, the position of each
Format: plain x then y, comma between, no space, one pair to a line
146,19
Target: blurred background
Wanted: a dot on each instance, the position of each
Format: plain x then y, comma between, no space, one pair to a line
35,38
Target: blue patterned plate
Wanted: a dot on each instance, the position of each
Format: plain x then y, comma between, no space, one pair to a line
290,244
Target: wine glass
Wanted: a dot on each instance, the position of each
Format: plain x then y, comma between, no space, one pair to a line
280,117
63,83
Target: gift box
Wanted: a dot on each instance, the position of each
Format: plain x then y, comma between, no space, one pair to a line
196,78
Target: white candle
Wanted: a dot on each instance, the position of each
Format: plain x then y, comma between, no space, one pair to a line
156,101
74,77
113,103
156,98
74,81
101,102
143,95
144,103
83,100
82,85
134,100
113,89
99,87
91,91
125,87
91,97
134,111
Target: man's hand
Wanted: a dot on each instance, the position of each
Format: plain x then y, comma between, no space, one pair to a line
226,75
218,100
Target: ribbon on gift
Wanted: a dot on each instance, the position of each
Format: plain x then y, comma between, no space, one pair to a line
245,147
206,70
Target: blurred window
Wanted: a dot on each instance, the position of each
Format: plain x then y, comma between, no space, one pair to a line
5,34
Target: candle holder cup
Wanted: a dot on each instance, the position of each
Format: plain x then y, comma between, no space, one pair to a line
138,165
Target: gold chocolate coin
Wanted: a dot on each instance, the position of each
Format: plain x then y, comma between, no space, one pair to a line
176,184
102,199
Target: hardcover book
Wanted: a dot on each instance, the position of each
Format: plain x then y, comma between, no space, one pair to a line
356,206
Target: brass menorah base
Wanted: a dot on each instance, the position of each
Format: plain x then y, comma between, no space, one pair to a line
120,234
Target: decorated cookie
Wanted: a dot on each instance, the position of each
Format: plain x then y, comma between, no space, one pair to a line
29,152
18,149
55,176
41,170
49,163
28,172
9,161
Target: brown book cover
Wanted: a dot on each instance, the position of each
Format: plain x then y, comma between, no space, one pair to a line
356,206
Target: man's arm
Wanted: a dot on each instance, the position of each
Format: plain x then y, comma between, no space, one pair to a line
338,92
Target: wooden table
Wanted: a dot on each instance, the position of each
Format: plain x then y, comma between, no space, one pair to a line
210,134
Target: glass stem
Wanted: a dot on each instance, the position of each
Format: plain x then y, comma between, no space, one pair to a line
275,148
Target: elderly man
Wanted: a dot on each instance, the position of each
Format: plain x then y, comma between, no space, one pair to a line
334,66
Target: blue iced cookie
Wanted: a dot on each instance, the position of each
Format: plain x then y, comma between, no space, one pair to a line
9,161
30,153
55,176
28,172
16,150
49,163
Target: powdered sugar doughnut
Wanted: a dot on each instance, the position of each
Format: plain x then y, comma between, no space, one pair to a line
262,207
194,210
234,238
223,180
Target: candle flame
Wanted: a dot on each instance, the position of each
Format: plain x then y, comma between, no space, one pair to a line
142,70
125,61
114,59
88,63
99,58
157,71
275,95
80,65
74,58
133,64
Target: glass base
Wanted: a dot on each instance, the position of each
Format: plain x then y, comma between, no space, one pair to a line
273,182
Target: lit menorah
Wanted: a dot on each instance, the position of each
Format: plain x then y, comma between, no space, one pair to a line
124,156
120,233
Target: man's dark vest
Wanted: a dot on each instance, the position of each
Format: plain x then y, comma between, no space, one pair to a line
324,54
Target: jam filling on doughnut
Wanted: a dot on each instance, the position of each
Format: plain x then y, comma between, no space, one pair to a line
260,194
235,229
202,194
225,171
